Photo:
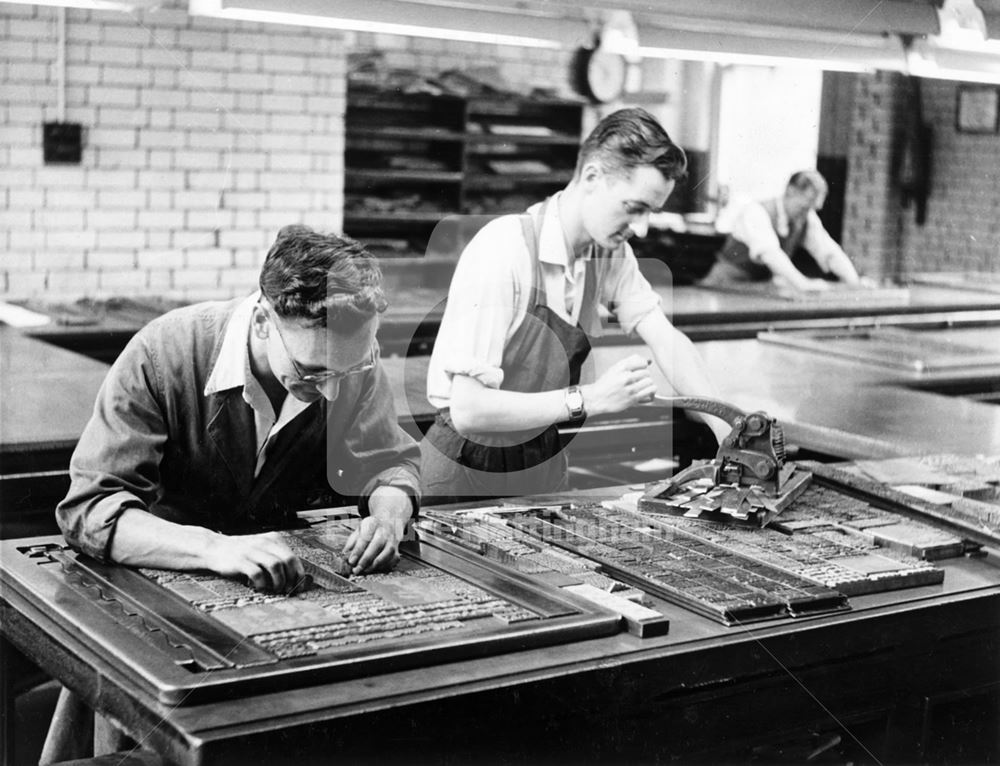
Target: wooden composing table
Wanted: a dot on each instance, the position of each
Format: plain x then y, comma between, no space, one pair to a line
885,676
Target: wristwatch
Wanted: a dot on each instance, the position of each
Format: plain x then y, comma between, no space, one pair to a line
574,403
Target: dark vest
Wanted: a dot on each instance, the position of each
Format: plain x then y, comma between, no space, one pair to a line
735,256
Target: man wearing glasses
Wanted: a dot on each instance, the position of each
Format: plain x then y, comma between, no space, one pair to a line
220,420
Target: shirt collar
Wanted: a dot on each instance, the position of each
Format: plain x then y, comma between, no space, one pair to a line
232,365
552,247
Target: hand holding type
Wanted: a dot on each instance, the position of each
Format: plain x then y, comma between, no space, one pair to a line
264,559
625,384
373,546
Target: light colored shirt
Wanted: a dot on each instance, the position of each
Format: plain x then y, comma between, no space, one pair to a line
752,226
490,294
232,370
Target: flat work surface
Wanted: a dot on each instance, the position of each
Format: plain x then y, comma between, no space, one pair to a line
837,406
844,408
962,280
46,393
892,347
755,302
416,306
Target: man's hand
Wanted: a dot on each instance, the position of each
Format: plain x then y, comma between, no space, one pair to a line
264,559
817,285
625,384
867,283
374,545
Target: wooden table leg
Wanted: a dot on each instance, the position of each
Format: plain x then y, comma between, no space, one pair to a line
7,697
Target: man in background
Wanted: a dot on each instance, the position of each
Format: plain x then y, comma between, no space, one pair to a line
765,237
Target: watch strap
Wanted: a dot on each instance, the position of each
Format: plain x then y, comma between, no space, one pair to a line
574,403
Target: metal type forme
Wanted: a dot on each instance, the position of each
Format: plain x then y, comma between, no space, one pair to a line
677,565
495,541
831,539
192,637
976,522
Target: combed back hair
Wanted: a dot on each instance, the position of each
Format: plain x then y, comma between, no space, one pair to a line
322,280
808,180
631,138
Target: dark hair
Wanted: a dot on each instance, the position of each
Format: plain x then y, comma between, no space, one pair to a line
808,180
322,279
631,138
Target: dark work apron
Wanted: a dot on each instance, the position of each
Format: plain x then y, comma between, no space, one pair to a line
733,262
545,353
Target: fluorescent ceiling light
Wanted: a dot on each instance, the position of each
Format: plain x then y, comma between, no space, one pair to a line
831,51
864,18
750,59
90,5
929,58
869,36
463,23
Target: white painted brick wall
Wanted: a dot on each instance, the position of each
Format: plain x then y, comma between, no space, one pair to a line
182,117
203,137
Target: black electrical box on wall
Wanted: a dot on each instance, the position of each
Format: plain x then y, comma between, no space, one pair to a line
62,143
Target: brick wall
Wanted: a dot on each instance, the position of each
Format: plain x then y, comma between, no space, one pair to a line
962,226
872,223
962,230
202,138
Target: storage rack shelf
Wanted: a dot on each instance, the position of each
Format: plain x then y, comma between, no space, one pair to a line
413,159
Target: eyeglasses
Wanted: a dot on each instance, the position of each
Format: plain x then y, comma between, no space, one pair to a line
318,378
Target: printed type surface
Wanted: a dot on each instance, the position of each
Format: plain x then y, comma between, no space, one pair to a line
330,611
838,541
827,546
190,636
956,493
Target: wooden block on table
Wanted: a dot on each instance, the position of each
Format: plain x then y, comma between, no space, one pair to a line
639,620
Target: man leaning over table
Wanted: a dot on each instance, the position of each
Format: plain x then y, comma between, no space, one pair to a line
220,420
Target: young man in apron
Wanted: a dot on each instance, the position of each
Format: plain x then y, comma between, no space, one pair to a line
508,362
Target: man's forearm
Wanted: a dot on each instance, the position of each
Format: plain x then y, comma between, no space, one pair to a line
392,506
781,266
682,365
478,409
840,266
142,539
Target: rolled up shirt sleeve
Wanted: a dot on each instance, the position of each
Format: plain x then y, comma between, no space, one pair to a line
821,246
484,303
625,291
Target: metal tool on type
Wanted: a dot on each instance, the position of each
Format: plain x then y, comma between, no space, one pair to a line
749,481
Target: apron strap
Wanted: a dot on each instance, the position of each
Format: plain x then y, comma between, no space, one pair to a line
531,231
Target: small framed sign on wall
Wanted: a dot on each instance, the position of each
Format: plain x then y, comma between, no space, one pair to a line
978,109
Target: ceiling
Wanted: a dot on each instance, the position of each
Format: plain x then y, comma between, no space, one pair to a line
914,36
852,17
